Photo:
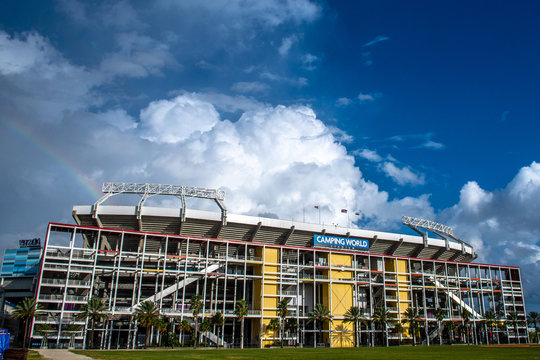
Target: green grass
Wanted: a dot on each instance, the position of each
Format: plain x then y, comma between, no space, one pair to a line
454,352
33,355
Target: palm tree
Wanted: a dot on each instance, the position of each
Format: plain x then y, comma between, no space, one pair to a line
490,319
466,316
398,328
196,306
381,316
513,318
412,317
161,326
218,320
184,326
95,310
439,315
274,325
146,314
319,315
206,326
26,311
241,310
355,315
283,312
291,326
533,319
450,327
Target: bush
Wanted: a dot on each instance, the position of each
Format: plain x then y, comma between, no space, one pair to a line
172,340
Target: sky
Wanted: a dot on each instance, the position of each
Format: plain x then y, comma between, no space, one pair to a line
385,108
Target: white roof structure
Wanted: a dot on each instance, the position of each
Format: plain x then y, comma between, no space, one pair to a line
198,223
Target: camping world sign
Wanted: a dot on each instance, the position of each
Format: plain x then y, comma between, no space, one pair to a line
325,240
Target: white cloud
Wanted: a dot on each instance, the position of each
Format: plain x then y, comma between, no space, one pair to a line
425,140
402,176
249,87
118,118
36,80
309,62
242,13
300,81
503,225
366,97
343,101
286,44
139,56
172,121
377,39
368,154
430,144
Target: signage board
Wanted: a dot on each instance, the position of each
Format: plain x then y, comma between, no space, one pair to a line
28,243
325,240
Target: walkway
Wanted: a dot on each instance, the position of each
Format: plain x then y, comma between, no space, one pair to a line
60,354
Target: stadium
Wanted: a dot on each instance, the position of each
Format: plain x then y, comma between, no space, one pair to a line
126,255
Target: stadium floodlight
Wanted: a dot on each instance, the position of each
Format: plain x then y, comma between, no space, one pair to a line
148,190
442,231
428,225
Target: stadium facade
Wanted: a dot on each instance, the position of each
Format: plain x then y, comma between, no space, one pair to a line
129,254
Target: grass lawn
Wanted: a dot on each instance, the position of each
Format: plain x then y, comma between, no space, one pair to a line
454,352
33,355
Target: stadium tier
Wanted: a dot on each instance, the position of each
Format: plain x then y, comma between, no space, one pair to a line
126,255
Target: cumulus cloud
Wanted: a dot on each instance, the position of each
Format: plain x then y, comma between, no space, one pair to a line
503,225
402,176
171,121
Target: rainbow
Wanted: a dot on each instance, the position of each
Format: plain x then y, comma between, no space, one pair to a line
40,145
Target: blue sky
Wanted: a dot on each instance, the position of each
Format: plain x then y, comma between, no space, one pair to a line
386,108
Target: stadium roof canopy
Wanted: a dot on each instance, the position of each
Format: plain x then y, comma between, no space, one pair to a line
221,225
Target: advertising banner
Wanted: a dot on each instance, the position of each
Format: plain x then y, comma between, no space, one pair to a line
325,240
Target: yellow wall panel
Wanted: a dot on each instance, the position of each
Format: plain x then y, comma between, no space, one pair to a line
402,266
342,298
270,289
270,302
343,335
341,275
390,265
271,255
341,260
269,312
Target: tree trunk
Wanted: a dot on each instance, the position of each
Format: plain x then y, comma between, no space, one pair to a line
355,334
196,335
281,333
440,334
242,334
147,337
517,335
25,334
386,333
92,335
